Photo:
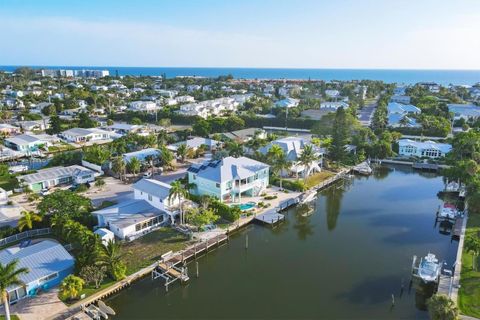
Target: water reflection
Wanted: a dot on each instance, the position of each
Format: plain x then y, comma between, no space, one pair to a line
333,203
303,223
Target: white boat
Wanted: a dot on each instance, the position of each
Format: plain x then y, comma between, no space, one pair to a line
363,169
452,186
429,268
447,212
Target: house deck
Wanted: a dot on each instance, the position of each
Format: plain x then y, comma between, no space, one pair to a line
270,217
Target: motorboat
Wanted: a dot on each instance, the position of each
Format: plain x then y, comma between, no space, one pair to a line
447,212
309,197
429,268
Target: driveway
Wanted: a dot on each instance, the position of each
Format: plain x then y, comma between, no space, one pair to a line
43,306
113,190
365,115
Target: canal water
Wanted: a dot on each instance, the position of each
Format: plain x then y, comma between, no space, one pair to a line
343,260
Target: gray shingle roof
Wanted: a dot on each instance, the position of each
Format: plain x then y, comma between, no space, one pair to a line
42,259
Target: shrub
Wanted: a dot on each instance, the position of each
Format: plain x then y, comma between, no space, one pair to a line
270,197
226,212
99,183
81,188
294,185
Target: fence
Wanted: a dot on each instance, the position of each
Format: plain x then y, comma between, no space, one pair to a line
24,235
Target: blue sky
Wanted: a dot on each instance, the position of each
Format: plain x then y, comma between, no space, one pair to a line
413,34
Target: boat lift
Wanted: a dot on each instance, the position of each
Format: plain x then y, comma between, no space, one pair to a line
170,273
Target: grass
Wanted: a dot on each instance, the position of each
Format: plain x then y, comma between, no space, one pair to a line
148,249
12,317
317,178
88,290
105,204
469,293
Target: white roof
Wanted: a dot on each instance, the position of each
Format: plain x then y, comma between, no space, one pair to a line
443,147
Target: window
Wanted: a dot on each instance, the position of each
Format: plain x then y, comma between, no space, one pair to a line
150,198
218,185
194,177
47,278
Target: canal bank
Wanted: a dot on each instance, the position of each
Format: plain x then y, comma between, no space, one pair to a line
343,260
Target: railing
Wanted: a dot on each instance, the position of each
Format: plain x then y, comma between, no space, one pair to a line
24,235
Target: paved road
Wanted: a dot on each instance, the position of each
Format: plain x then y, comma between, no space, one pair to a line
366,114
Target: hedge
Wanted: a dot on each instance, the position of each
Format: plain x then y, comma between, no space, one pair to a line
294,185
229,213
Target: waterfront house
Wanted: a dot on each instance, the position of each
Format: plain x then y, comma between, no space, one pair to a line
293,148
30,142
464,111
48,262
51,177
150,209
79,135
400,115
229,179
124,128
428,149
34,125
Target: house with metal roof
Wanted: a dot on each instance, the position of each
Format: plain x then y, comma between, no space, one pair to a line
149,209
142,155
244,135
48,262
30,142
400,115
195,142
51,177
83,135
428,149
230,178
464,111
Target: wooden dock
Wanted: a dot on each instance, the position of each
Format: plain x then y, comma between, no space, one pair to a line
445,285
457,228
425,166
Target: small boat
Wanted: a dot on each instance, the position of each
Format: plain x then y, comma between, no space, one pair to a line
429,268
447,212
452,186
363,169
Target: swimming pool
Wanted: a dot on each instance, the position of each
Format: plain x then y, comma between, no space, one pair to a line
245,206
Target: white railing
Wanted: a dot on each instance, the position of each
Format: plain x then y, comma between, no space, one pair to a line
24,235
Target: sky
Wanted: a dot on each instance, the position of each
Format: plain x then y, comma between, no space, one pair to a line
379,34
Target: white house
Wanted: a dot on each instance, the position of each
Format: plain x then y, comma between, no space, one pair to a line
400,99
331,93
334,105
150,209
429,149
145,106
195,142
51,177
84,135
184,99
464,111
399,115
287,103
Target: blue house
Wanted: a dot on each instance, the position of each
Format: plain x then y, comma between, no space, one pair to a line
48,262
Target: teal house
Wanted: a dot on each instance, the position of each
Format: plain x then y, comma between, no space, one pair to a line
229,179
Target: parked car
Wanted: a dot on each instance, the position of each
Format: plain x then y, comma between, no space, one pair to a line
147,174
45,191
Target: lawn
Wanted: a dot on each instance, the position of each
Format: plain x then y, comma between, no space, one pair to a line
317,178
469,294
12,317
148,249
8,182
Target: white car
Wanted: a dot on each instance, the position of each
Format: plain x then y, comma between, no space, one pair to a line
45,191
147,174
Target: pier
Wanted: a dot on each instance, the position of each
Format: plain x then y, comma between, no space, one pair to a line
270,217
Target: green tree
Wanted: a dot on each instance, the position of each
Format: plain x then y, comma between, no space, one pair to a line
441,307
93,275
234,149
199,218
134,165
307,157
27,220
111,256
66,203
119,167
178,192
201,128
55,125
339,136
472,245
136,121
71,287
84,121
166,157
182,151
10,276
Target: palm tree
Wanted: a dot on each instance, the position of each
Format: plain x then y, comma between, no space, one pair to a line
178,191
134,165
183,151
441,307
71,287
111,256
9,276
234,149
282,164
27,220
306,159
119,167
275,152
472,244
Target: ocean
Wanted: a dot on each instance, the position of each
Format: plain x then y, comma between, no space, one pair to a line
401,76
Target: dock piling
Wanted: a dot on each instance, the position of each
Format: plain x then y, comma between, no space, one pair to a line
198,273
246,241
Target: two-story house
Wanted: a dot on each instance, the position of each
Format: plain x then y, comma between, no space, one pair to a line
229,179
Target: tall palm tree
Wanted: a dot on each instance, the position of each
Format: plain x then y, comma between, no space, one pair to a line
178,191
10,276
306,159
27,220
282,164
119,167
441,307
111,256
183,151
275,152
234,149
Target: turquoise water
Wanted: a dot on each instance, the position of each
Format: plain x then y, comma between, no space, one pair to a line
343,260
246,206
444,77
